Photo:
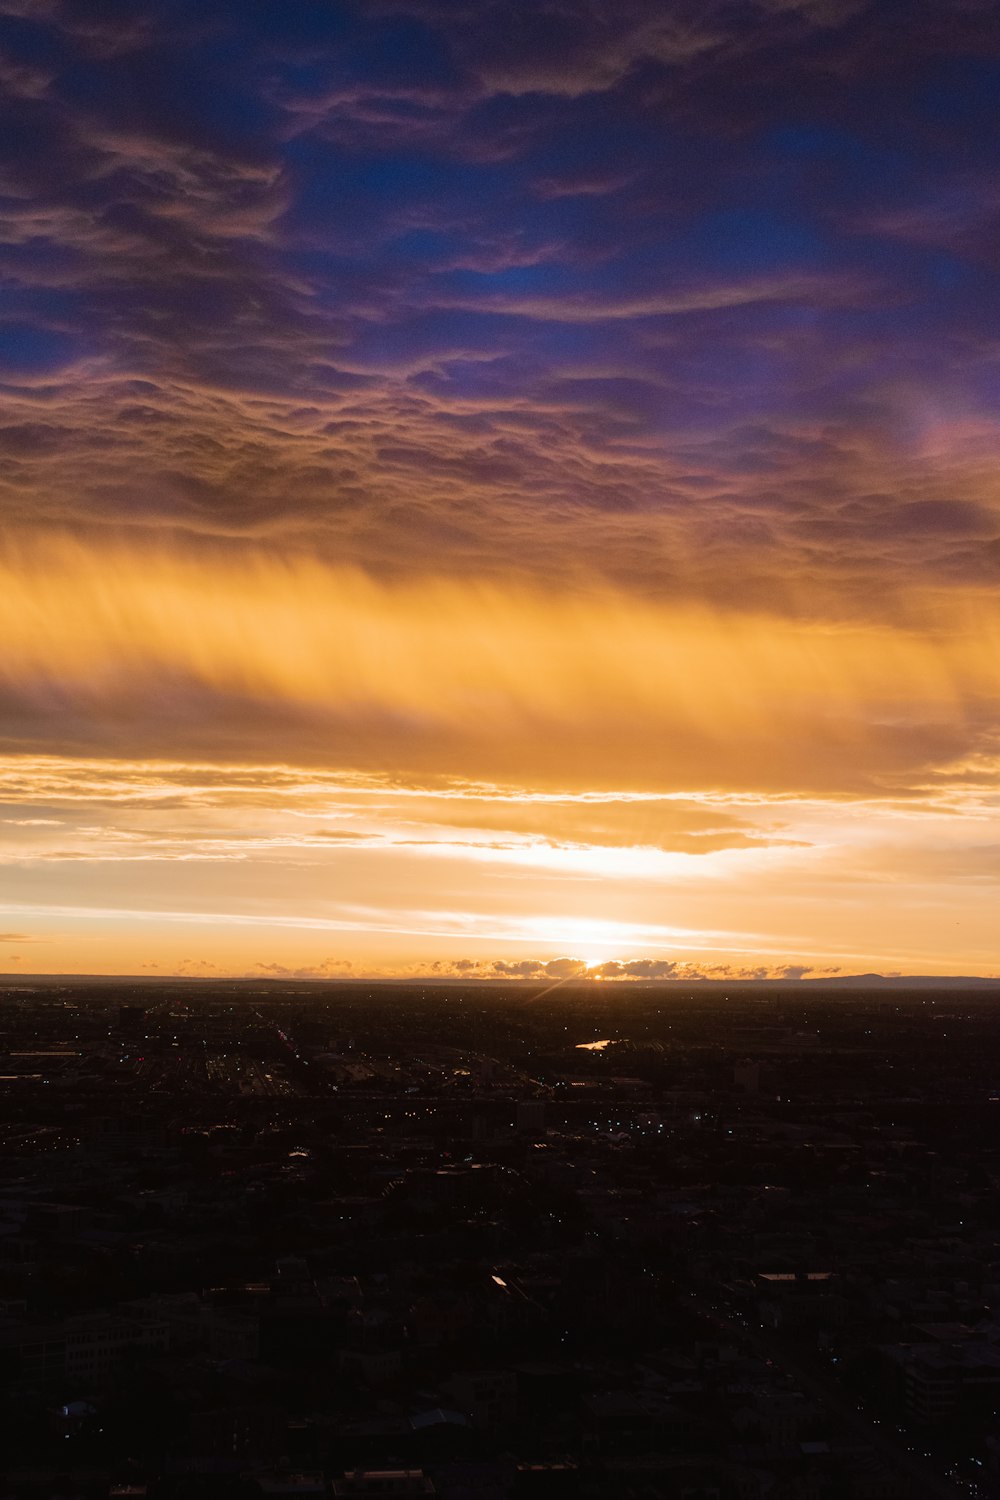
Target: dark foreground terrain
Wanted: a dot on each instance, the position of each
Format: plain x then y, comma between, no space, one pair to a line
611,1241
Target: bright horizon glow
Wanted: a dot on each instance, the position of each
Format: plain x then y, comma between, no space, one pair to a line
114,866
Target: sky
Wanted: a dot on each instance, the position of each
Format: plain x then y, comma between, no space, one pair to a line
500,489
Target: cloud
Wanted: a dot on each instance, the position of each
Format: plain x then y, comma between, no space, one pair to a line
508,682
197,968
425,287
329,968
171,859
637,968
650,970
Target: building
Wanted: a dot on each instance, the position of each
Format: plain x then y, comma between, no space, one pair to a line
85,1349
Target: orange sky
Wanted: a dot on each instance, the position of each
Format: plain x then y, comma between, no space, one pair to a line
278,766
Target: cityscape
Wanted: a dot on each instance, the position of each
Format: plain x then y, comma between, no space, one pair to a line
291,1240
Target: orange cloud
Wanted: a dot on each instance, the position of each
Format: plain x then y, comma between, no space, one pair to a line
478,678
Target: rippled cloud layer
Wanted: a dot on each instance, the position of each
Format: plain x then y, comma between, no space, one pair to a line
685,295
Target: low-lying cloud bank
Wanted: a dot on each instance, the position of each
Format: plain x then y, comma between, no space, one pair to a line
555,970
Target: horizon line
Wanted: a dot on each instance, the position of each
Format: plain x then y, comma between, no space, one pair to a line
824,981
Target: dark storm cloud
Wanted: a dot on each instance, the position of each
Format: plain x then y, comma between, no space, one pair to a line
682,294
